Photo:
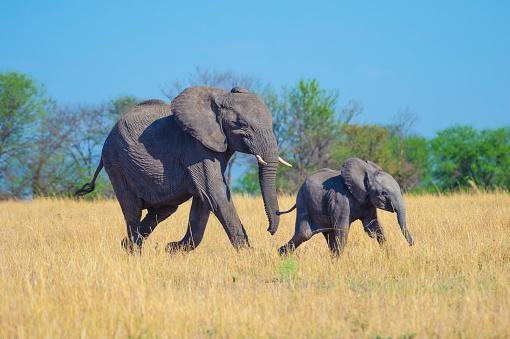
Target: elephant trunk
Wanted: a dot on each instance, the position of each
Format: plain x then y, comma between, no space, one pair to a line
401,217
267,178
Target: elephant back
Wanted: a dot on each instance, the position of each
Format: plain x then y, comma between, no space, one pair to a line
134,122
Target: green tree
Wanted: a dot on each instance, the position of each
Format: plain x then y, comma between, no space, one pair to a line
367,142
461,156
414,170
495,157
248,182
404,156
22,103
313,128
307,125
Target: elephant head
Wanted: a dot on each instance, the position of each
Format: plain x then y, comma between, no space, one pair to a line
368,183
235,121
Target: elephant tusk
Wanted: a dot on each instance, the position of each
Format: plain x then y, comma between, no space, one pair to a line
284,162
260,160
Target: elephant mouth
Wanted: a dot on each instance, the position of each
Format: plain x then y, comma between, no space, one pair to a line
262,162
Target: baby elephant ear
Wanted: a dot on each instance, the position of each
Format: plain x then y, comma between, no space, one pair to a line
354,172
196,112
373,164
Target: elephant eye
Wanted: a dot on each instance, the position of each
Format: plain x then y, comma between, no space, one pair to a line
242,124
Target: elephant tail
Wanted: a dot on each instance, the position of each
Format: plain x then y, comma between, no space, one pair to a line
287,211
90,186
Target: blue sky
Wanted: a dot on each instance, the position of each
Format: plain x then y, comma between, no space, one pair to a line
447,61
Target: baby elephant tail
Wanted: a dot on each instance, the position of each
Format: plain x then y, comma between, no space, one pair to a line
287,211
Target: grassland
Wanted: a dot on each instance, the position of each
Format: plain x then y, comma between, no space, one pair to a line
63,274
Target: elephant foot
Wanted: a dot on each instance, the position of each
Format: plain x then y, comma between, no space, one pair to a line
241,244
177,246
130,247
381,240
285,250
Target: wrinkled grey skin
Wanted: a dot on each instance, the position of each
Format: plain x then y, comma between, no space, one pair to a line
329,201
160,155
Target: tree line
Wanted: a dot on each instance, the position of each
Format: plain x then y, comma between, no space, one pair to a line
313,132
47,149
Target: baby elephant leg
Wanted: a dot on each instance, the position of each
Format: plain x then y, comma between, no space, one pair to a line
336,239
302,233
373,228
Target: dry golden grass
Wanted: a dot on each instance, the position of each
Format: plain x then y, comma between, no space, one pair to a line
63,274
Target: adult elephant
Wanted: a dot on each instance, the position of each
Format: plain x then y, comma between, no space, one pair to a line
160,155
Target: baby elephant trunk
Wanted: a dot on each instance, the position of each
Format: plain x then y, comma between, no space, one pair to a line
401,217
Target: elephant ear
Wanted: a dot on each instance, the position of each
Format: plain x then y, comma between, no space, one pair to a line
196,112
354,172
373,164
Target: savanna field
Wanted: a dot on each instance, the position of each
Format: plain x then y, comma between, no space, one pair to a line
64,275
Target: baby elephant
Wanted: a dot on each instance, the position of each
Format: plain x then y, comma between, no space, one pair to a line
329,201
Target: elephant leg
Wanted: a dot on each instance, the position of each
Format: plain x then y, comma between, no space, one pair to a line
339,217
132,210
153,218
372,227
333,239
212,189
302,233
198,217
227,216
337,237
